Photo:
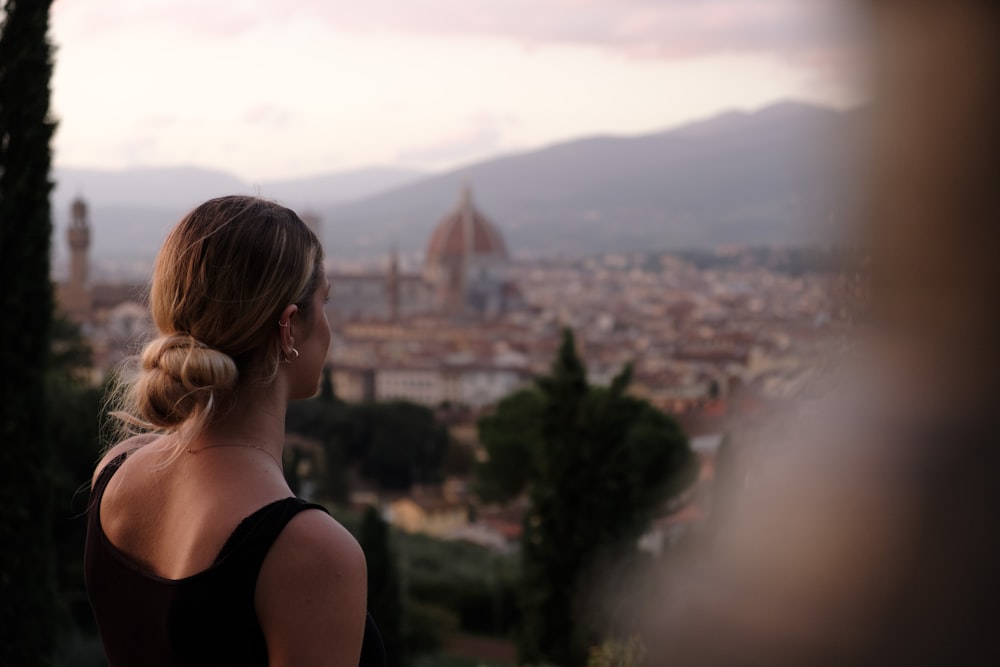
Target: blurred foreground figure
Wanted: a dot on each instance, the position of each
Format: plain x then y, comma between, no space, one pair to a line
868,534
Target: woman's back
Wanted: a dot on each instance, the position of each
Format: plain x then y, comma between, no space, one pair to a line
166,594
172,519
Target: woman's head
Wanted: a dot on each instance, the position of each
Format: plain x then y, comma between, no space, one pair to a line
222,279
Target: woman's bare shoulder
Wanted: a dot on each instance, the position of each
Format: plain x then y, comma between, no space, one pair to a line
311,593
315,539
124,447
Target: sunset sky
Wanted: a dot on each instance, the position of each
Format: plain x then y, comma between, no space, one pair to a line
270,90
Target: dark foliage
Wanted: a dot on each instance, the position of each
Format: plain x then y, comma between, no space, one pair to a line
392,445
27,582
596,463
475,584
385,602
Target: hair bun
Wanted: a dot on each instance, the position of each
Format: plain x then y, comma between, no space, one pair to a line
180,377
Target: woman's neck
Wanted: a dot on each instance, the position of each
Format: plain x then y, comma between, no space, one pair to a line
256,418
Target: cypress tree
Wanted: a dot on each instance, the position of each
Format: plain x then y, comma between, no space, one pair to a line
27,591
326,390
550,567
596,463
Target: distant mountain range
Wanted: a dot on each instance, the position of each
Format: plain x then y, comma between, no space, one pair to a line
131,210
774,177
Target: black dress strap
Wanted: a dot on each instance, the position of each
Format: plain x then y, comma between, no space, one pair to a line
260,529
249,544
111,467
103,477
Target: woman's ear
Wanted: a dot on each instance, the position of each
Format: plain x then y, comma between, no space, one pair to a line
285,332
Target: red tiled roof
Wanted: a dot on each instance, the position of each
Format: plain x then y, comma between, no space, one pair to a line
465,231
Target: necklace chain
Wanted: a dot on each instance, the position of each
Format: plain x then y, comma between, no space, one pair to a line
189,450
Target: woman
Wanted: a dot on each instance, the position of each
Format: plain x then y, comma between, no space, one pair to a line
197,552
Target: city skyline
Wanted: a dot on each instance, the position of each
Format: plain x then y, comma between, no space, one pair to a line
268,93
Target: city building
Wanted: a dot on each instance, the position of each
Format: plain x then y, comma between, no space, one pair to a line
473,384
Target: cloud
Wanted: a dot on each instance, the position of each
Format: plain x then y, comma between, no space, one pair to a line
191,17
648,28
372,77
655,28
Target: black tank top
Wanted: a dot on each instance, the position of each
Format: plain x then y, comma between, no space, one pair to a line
205,619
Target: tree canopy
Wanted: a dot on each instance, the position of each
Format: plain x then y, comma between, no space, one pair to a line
596,464
393,445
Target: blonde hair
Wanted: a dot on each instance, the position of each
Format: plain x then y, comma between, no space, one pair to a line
221,280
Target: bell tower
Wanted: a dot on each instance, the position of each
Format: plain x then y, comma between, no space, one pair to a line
78,235
392,286
75,297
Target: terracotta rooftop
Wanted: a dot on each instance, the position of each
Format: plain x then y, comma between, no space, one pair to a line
465,232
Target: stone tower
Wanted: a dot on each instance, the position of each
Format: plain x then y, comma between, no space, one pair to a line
74,294
78,235
392,286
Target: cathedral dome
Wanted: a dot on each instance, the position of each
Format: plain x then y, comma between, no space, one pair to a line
465,233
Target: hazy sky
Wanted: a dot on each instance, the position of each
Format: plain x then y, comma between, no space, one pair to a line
268,89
